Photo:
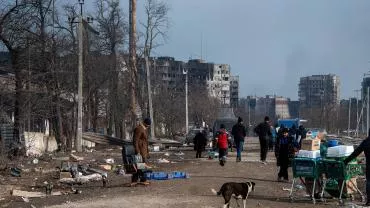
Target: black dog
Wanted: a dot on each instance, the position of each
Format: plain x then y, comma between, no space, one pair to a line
236,190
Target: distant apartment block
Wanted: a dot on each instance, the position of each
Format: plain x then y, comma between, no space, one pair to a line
276,107
214,78
319,90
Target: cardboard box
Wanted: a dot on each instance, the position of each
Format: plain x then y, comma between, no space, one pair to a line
311,144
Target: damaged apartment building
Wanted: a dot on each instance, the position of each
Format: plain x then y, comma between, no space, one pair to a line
215,78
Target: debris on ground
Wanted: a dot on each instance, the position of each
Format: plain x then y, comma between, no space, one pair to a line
32,194
162,160
76,158
109,161
82,179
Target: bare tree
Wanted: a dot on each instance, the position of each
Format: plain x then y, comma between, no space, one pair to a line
155,28
112,28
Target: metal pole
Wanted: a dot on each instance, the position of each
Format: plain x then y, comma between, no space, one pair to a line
356,115
80,79
186,102
349,117
367,109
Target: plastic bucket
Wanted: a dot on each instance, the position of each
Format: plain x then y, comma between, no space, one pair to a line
332,143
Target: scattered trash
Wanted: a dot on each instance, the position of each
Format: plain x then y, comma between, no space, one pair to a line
33,206
286,189
179,153
299,187
35,161
26,199
76,158
106,167
16,172
109,161
156,148
82,179
64,174
120,171
167,154
161,160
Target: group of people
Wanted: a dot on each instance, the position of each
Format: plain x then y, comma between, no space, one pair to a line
288,141
283,141
222,141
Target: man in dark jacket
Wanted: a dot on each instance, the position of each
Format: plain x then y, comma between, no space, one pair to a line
239,133
284,152
364,147
263,130
200,142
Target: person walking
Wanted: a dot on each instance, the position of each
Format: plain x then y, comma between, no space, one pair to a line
273,138
239,132
284,151
364,147
200,143
140,142
222,143
263,130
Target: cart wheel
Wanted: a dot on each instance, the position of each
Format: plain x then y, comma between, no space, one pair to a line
363,198
341,201
291,199
313,201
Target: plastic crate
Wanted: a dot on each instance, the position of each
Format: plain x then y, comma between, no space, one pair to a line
160,176
305,167
177,174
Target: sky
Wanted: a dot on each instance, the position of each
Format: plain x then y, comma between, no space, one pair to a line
270,44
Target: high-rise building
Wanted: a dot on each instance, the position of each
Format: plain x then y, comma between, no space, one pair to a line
319,90
214,78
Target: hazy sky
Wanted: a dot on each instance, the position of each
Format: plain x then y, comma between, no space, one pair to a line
271,43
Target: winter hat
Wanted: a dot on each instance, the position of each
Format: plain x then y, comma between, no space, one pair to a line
267,118
240,120
147,121
222,126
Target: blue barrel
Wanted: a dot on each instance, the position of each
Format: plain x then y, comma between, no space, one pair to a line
332,143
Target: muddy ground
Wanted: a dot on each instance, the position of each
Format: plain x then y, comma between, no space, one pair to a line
193,192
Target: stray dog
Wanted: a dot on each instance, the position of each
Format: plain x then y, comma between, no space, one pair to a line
236,190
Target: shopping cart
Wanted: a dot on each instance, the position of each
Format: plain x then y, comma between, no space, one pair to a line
305,168
339,174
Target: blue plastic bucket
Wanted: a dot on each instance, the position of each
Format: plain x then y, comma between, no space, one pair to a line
332,143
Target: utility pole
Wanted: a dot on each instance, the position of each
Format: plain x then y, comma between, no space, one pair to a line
185,71
132,60
80,80
349,117
367,110
81,27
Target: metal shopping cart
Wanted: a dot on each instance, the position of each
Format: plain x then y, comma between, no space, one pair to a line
337,174
305,168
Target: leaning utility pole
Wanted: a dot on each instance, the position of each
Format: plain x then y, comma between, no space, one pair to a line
132,60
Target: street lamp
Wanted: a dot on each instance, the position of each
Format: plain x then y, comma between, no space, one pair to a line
185,72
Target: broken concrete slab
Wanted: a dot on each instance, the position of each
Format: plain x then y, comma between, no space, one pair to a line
31,194
82,179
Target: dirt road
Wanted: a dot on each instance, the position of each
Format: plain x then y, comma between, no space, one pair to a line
185,193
